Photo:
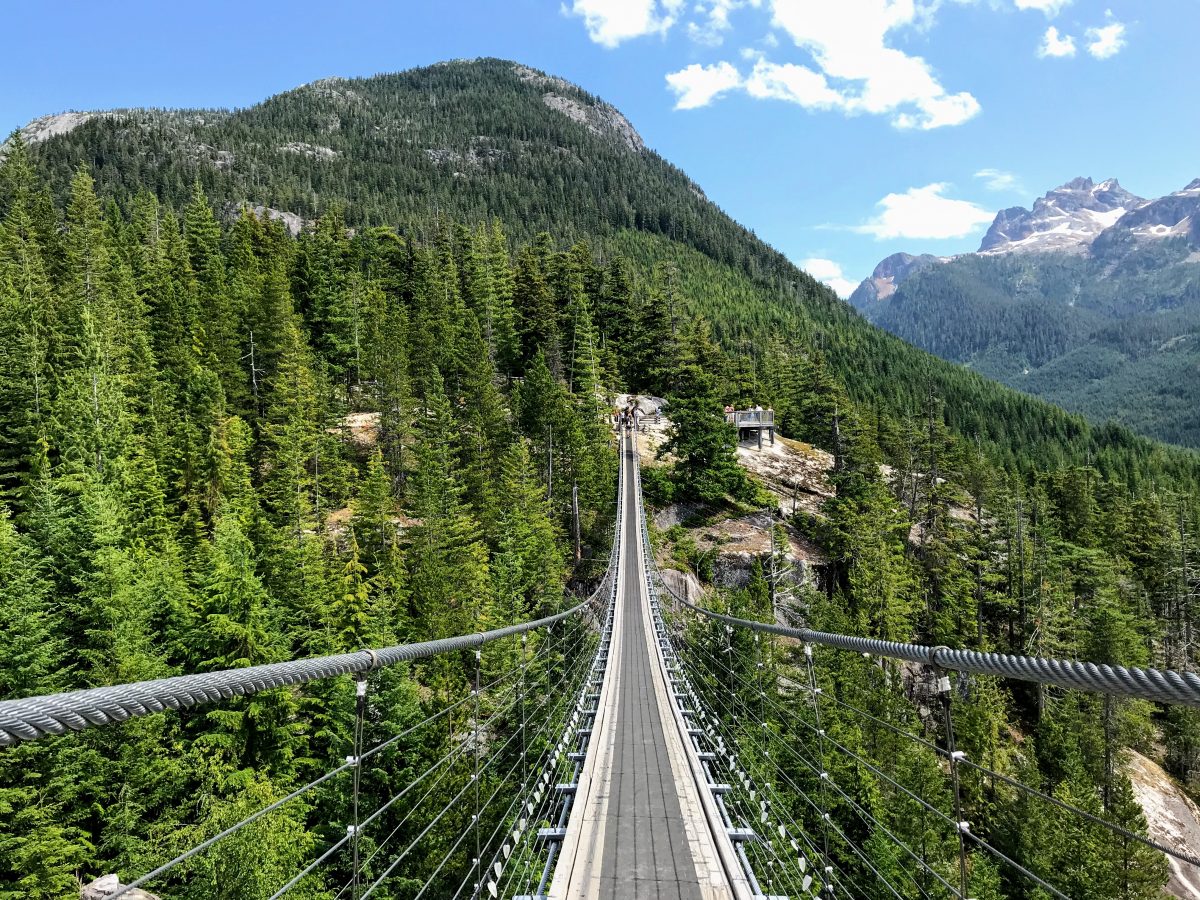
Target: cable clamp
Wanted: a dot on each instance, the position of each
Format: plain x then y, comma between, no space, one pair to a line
352,760
964,827
958,755
351,830
374,659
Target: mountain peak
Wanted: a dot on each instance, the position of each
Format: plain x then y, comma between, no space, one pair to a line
1066,219
1076,184
887,276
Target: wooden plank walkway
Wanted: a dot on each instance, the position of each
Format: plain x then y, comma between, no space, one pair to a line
639,831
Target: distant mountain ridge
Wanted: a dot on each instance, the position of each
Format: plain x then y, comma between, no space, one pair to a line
1090,299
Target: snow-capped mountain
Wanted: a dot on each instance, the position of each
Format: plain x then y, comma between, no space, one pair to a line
1080,218
1091,299
1175,215
1067,219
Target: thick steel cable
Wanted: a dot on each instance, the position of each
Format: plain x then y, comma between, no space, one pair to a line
545,728
1166,686
1158,685
818,808
31,718
936,812
816,770
253,817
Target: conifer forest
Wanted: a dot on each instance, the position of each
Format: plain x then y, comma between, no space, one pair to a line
224,442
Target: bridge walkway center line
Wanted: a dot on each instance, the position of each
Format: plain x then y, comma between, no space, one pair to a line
639,829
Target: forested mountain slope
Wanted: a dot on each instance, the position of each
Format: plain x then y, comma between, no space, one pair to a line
471,140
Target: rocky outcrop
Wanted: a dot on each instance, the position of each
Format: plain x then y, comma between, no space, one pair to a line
888,276
313,151
1172,818
46,127
108,886
598,118
292,222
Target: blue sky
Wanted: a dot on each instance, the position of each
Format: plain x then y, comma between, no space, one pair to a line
839,130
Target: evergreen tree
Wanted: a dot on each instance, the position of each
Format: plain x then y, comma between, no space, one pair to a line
704,446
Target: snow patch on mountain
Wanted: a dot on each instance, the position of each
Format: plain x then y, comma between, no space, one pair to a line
1067,219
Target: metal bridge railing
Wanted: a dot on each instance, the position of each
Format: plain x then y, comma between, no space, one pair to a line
739,703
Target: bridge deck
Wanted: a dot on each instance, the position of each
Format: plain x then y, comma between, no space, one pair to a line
642,832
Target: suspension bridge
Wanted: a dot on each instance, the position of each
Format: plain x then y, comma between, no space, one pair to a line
622,748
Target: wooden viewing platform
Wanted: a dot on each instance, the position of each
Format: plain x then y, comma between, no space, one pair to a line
752,423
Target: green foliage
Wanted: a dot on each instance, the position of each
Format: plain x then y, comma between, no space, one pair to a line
224,447
221,444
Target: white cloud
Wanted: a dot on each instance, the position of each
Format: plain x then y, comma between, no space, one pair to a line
1050,7
699,85
829,272
796,84
1106,41
609,22
1056,45
715,14
998,179
924,213
847,41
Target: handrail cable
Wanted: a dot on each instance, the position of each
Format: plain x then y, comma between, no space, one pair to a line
818,772
31,718
925,804
457,752
298,792
1159,685
817,807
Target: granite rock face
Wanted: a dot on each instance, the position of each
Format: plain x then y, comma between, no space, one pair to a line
888,276
108,886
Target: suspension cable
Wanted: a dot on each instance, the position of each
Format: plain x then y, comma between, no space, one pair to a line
819,808
824,780
968,835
